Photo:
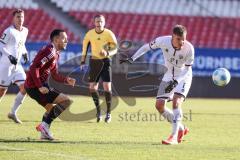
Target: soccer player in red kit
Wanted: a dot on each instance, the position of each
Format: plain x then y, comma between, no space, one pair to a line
44,65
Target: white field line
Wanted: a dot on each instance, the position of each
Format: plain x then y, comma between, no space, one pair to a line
44,153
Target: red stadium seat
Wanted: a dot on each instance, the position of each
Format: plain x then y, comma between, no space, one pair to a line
38,22
202,31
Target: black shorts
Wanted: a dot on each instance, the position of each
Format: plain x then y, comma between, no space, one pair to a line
42,99
100,68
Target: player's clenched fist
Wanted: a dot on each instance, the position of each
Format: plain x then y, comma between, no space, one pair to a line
71,81
43,90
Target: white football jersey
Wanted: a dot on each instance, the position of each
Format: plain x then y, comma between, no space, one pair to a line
175,60
13,41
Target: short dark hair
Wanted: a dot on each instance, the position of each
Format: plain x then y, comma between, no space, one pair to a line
98,16
55,32
17,11
179,30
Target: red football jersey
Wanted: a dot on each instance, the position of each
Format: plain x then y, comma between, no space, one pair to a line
44,64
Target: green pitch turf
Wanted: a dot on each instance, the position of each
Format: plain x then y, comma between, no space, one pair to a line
134,133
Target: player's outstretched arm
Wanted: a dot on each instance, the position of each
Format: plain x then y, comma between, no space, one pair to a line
141,51
71,81
43,90
127,60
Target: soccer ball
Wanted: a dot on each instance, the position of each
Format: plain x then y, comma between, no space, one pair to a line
221,77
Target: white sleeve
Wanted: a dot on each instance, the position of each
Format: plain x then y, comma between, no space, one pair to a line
157,43
154,44
5,38
188,65
24,45
190,57
24,49
141,51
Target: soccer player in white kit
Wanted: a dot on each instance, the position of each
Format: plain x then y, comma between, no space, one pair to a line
178,55
12,48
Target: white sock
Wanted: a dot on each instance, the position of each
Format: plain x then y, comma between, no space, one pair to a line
177,117
17,103
168,114
46,125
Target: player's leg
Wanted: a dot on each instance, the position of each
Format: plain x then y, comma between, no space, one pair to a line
54,103
4,80
180,94
178,129
3,91
168,115
94,76
106,76
161,101
93,88
108,98
62,102
18,77
177,114
17,102
163,110
42,99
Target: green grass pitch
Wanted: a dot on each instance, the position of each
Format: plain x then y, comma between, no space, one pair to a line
134,132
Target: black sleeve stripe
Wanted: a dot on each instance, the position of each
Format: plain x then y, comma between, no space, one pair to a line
188,65
2,42
4,86
150,45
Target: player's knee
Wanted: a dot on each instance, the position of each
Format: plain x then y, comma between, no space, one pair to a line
160,105
2,91
66,103
177,102
92,88
108,90
22,90
107,86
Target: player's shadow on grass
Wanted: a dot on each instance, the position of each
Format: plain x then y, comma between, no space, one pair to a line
24,121
78,142
27,141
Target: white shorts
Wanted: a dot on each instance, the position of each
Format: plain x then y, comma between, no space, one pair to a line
182,88
11,75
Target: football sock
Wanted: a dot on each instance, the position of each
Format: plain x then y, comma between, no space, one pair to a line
177,117
108,97
168,114
17,103
44,118
95,97
56,111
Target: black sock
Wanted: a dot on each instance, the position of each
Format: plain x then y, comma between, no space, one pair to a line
95,97
108,97
56,111
44,117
